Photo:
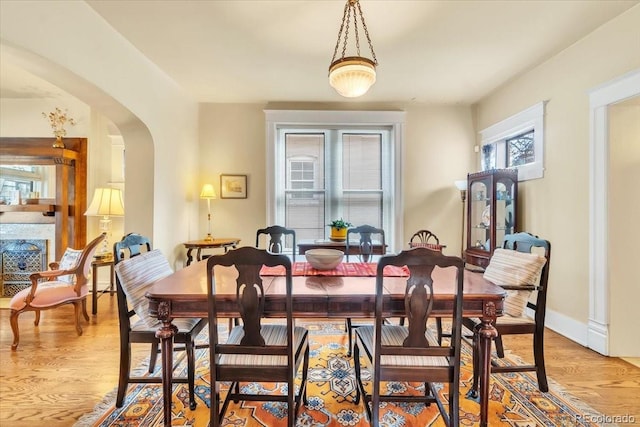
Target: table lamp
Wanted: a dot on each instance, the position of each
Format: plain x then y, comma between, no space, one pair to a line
107,202
461,185
208,192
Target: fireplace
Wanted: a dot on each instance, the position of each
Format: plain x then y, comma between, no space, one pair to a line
20,258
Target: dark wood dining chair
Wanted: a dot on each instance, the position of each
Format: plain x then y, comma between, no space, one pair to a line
426,239
137,267
277,235
65,283
255,351
411,353
365,253
515,321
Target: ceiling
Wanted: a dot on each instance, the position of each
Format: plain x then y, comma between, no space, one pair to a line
435,52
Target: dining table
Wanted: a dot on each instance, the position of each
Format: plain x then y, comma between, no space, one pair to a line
321,295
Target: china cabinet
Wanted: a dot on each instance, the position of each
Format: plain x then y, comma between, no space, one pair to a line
491,212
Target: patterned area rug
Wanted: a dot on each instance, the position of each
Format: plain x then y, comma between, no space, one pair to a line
515,400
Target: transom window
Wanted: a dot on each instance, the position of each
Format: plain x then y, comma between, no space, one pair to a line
516,142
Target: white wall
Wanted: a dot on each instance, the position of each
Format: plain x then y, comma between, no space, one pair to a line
556,207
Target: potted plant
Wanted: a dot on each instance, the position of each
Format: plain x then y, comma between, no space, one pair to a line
339,229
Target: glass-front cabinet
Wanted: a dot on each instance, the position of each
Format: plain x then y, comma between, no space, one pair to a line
491,212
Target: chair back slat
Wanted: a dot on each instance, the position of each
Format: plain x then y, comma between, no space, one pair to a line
276,235
365,243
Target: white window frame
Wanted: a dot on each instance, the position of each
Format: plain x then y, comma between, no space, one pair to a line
277,119
530,119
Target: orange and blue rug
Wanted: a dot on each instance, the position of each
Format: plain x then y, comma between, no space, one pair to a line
514,400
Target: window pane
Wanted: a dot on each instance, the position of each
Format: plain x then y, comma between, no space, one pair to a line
488,157
363,208
520,149
362,162
304,210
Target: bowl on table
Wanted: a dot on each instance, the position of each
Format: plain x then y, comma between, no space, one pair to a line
324,259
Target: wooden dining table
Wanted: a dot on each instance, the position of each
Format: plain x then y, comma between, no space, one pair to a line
184,294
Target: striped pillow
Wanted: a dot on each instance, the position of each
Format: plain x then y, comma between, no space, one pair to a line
513,268
136,275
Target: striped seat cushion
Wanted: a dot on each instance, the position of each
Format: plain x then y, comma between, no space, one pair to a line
273,335
136,275
393,335
514,268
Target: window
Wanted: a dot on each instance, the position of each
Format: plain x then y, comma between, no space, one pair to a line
516,142
324,167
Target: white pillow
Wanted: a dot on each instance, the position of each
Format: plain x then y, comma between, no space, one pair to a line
136,275
513,268
69,260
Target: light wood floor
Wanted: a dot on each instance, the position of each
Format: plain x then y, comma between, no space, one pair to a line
56,376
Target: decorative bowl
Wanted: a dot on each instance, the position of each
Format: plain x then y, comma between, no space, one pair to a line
324,259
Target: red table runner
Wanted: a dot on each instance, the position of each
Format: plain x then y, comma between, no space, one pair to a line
344,269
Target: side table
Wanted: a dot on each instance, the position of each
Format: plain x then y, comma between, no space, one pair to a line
95,264
199,245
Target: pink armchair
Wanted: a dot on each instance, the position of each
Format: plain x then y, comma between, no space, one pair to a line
65,284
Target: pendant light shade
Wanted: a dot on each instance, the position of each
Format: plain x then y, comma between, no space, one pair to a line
352,76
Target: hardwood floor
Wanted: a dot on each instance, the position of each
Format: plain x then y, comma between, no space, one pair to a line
56,376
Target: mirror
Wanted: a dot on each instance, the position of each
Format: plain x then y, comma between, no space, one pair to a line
21,184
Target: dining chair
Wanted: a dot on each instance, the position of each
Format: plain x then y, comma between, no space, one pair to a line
365,253
255,351
521,267
277,235
66,283
426,239
411,353
137,267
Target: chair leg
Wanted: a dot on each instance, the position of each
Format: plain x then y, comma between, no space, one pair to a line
153,357
538,355
84,309
13,319
77,307
303,383
191,371
439,329
473,391
499,347
36,322
125,366
347,323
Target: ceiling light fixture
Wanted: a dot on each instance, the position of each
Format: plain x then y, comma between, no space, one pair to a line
352,76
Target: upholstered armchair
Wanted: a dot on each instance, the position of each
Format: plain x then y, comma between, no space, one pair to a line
66,283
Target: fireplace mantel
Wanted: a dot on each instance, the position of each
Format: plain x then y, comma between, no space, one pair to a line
70,202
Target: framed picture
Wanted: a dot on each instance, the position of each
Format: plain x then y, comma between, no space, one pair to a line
233,186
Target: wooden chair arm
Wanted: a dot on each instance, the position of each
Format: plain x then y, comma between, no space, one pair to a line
54,265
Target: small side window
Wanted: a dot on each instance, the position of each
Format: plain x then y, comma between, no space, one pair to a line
516,142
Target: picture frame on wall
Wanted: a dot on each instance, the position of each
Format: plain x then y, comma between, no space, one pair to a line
233,186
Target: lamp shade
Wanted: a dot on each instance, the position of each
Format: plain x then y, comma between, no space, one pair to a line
352,76
461,184
208,192
106,202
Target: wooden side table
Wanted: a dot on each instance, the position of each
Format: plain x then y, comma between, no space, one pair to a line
199,245
95,264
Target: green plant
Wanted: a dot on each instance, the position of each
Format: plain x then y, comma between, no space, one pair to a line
339,224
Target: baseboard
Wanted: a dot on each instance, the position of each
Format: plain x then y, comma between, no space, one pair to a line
567,327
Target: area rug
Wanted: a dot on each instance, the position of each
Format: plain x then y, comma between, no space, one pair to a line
515,400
